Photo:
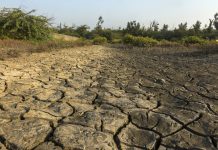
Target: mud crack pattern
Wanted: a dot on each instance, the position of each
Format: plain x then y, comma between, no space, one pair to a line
109,98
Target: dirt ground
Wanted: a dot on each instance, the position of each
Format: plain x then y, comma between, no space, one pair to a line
108,98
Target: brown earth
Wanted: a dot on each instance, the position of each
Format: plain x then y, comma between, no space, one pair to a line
110,98
64,37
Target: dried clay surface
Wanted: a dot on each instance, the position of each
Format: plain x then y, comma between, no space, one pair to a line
104,98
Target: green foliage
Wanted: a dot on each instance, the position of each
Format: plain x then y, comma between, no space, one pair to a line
183,26
82,31
67,30
154,26
145,41
197,27
165,28
139,41
98,27
107,34
18,24
98,40
216,21
210,27
133,28
128,39
193,40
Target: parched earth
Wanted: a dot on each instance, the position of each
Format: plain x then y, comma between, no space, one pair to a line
109,98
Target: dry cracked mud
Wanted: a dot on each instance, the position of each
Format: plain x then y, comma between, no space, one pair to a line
109,98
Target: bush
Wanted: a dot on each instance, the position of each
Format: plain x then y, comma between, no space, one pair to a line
67,31
98,40
139,41
82,31
17,24
107,34
193,40
128,39
145,41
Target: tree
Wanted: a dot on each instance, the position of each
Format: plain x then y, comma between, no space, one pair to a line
67,30
183,26
210,27
82,30
165,28
197,27
99,24
154,26
216,21
182,31
133,28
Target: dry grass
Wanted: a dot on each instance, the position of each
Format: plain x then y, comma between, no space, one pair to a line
169,47
62,37
15,48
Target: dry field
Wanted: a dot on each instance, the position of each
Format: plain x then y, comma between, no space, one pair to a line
97,97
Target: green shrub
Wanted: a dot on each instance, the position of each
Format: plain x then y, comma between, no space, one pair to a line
17,24
145,41
139,41
128,39
98,40
107,34
82,30
193,40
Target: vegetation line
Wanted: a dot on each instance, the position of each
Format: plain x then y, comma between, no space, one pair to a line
30,32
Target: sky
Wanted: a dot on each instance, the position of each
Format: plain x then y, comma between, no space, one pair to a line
116,13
